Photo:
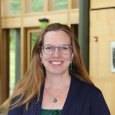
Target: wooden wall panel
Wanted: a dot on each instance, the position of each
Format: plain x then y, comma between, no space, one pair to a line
71,17
74,17
103,27
102,22
100,56
12,22
53,17
102,33
102,3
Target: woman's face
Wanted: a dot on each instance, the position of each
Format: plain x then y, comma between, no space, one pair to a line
56,53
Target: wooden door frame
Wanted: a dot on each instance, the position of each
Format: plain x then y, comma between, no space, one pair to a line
29,31
4,65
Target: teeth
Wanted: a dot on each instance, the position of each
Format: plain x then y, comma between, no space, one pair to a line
56,63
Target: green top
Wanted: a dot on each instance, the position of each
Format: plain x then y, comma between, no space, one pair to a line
51,112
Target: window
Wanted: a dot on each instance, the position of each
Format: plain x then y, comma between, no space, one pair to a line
34,36
37,5
59,4
14,7
14,60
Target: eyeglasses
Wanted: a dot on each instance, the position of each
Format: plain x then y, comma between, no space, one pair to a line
50,49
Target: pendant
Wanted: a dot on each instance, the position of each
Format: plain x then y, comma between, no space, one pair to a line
53,100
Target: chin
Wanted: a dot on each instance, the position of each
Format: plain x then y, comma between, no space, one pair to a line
58,72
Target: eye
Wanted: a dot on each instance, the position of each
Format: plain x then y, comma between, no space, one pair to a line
49,47
64,48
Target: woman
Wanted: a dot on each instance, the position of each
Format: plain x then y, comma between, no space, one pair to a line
56,82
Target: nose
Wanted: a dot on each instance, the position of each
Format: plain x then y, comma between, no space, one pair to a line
56,53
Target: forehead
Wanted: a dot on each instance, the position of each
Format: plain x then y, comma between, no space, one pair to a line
56,38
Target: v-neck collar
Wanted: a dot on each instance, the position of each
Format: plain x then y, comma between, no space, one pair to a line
68,100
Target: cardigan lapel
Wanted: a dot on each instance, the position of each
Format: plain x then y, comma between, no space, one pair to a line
74,91
39,101
35,107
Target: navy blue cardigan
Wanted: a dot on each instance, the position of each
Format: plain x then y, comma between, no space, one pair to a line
82,99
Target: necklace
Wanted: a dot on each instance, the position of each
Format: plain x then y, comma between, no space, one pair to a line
54,99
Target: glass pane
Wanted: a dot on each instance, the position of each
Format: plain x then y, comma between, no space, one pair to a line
37,5
14,54
60,4
12,61
34,36
14,7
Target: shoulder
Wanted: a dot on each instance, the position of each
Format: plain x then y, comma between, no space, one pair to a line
85,87
90,96
86,91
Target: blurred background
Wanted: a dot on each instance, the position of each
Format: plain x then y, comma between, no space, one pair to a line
92,21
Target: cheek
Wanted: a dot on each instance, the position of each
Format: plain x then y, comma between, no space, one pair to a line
44,58
70,57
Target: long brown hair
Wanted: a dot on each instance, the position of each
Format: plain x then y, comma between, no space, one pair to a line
29,86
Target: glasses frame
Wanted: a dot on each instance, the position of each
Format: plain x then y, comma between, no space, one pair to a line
60,49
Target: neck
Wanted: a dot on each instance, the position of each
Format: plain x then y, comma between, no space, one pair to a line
57,81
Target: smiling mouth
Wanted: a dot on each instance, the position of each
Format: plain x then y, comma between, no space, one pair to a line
56,62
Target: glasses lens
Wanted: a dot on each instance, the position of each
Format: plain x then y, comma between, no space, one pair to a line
48,50
64,49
